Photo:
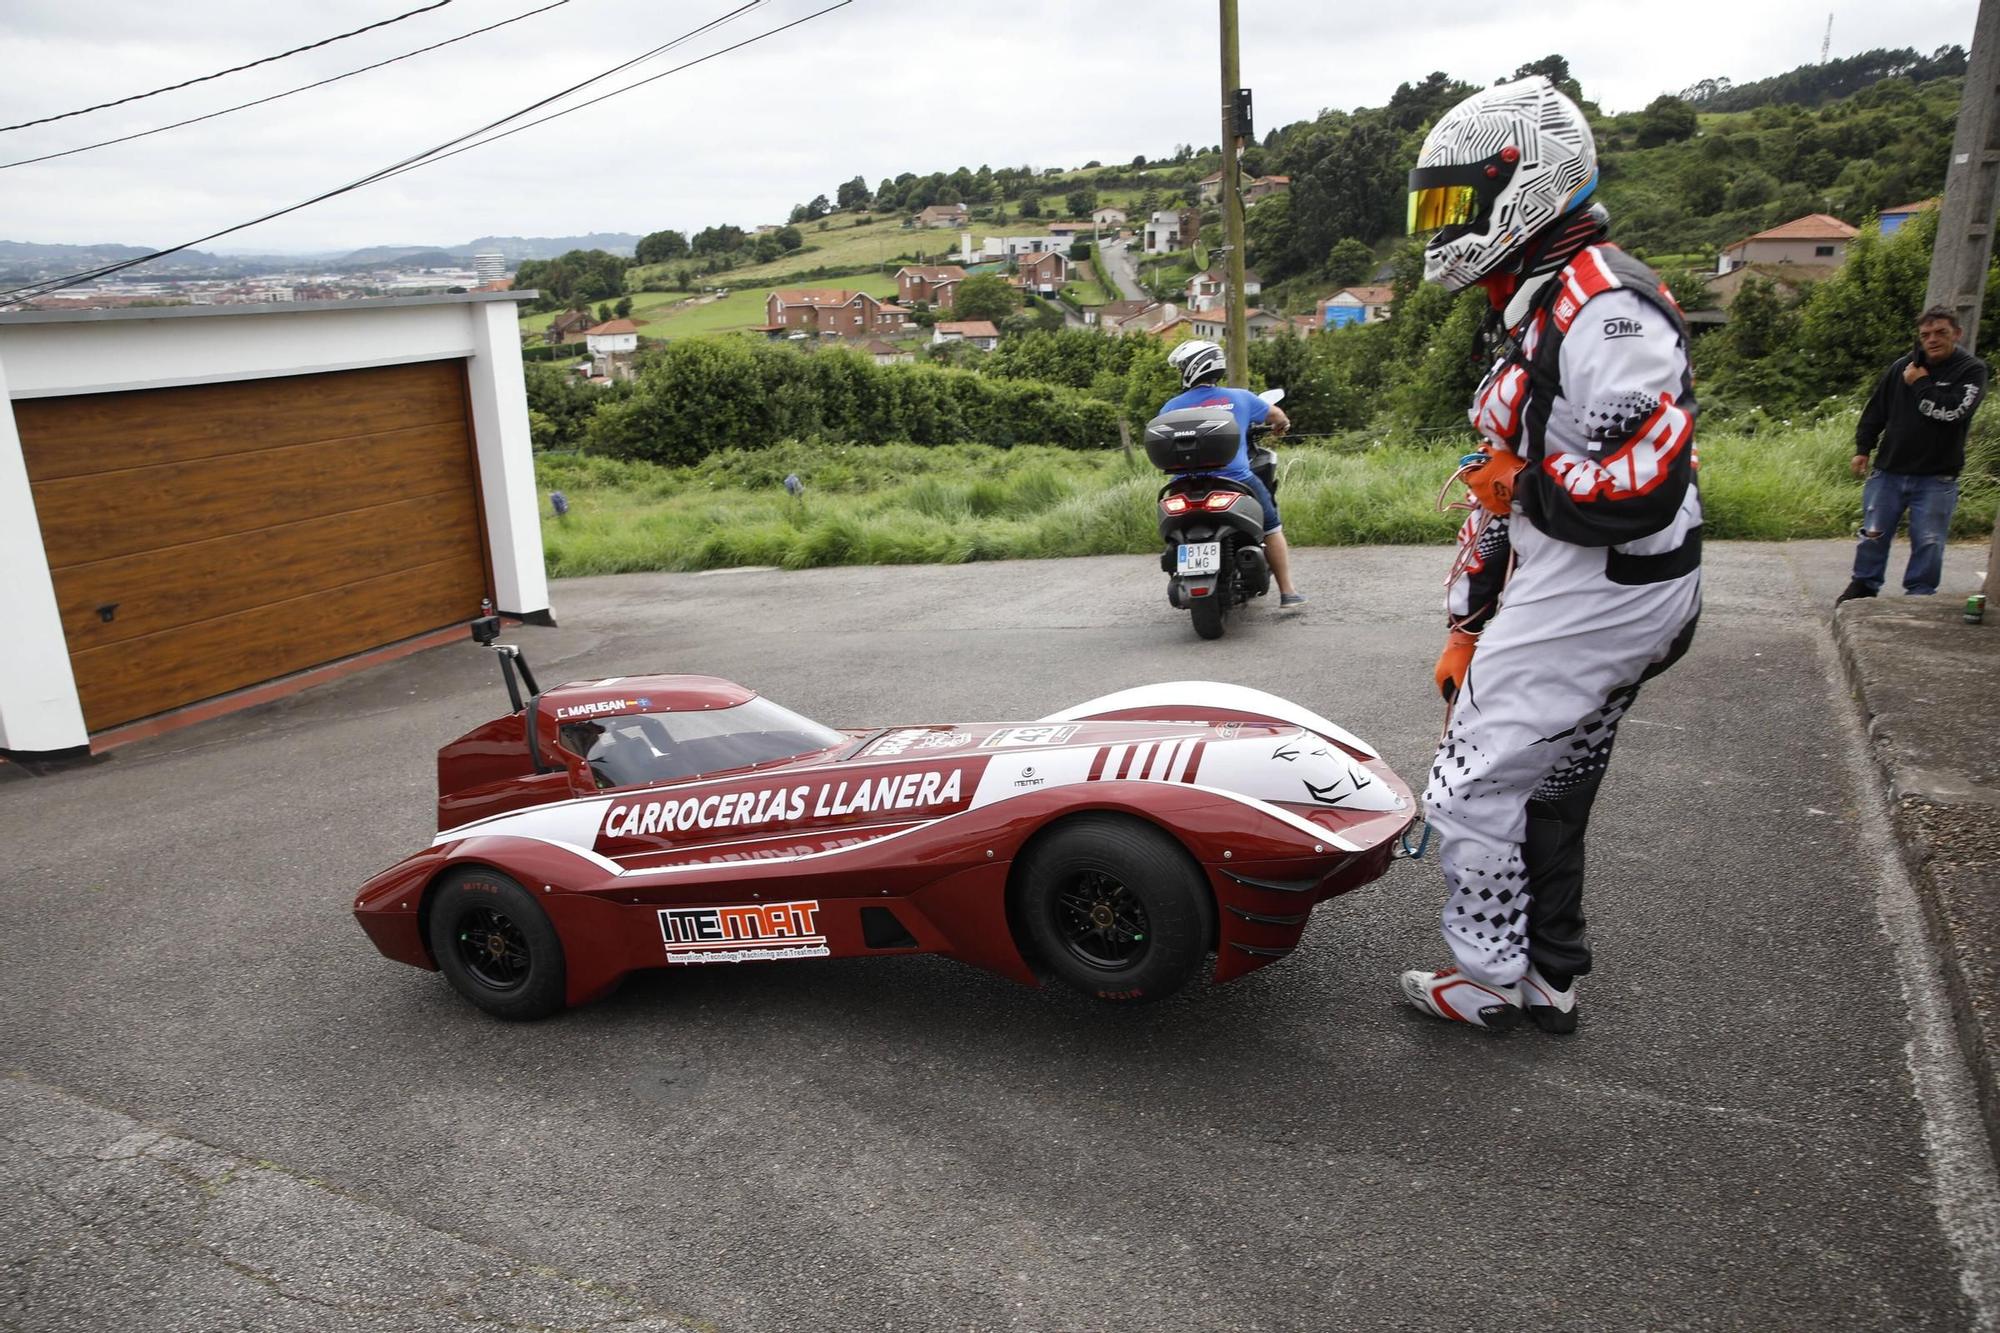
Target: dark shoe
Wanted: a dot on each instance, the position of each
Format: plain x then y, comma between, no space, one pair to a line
1549,1009
1855,588
1291,601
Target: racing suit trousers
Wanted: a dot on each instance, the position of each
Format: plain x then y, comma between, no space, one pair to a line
1527,745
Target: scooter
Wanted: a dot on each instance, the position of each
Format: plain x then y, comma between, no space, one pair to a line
1213,527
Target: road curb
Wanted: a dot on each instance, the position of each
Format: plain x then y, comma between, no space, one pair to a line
1914,810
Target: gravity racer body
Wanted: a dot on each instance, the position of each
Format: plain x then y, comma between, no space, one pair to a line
608,826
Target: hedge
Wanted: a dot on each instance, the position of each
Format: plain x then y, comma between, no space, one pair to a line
700,395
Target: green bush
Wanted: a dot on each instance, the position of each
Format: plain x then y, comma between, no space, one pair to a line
698,396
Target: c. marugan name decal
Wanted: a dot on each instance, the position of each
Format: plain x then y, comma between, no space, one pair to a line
743,932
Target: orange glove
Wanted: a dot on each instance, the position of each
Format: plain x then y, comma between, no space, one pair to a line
1454,662
1492,482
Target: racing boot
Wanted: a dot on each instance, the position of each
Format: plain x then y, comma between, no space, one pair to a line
1449,994
1549,1009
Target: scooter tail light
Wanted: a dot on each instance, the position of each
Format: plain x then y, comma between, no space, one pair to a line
1221,500
1175,504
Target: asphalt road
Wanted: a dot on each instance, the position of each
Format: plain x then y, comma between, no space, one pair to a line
1117,258
225,1110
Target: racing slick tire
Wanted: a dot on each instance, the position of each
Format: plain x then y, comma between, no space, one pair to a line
1115,908
1208,612
495,945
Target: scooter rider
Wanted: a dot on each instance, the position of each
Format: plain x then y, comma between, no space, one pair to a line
1201,365
1586,578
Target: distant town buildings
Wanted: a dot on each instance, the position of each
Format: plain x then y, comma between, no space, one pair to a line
489,266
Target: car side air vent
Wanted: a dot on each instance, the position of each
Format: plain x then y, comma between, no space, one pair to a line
881,930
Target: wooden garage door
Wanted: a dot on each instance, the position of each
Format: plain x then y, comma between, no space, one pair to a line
209,537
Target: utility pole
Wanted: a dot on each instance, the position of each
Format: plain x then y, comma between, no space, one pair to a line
1971,193
1237,335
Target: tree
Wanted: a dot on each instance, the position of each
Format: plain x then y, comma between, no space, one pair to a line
853,194
984,296
818,208
1556,68
718,240
623,307
1031,205
1667,119
1082,201
766,248
577,276
789,238
604,313
662,247
1349,262
1267,231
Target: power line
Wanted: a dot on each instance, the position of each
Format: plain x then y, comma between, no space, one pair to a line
30,291
234,69
557,115
305,87
43,287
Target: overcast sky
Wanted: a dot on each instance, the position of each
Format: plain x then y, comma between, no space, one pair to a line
876,88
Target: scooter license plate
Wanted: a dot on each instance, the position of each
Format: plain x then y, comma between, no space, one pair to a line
1200,557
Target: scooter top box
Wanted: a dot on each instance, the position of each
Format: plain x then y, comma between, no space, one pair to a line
1193,439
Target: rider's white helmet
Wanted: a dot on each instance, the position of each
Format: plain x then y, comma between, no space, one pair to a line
1197,360
1495,171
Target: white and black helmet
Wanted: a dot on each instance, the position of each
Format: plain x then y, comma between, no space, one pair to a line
1198,361
1495,171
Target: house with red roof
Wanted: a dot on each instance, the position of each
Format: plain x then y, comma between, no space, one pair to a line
830,312
1818,239
918,282
979,332
1043,274
1353,305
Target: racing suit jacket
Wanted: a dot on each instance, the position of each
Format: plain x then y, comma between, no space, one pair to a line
1593,389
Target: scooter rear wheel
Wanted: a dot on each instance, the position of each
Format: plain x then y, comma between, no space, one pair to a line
1210,612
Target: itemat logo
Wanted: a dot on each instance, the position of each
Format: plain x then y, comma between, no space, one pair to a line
742,932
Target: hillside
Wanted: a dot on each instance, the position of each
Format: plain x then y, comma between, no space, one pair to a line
1682,177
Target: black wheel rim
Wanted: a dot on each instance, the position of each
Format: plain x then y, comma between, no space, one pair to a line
1101,922
492,948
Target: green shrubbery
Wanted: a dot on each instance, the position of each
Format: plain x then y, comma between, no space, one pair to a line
702,395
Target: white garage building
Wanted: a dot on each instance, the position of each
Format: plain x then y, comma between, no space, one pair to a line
196,500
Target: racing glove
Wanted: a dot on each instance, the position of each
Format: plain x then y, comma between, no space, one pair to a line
1454,662
1492,482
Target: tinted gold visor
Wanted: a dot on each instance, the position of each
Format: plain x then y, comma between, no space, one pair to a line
1438,206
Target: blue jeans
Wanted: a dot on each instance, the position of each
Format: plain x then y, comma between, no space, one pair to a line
1884,498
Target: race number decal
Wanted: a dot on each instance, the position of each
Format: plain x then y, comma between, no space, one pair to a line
1013,736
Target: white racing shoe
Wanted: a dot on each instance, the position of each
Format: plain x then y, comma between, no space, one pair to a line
1549,1009
1449,994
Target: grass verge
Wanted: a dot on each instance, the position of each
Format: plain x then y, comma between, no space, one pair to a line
905,504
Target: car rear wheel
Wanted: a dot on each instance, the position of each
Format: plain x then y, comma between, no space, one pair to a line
1114,908
496,945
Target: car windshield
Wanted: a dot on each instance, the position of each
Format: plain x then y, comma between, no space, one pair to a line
637,748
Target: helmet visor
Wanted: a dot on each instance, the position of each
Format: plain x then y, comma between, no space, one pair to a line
1436,207
1457,198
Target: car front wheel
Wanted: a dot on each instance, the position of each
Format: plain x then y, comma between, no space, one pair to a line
495,944
1115,908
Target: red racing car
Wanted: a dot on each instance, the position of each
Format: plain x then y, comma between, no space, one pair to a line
605,826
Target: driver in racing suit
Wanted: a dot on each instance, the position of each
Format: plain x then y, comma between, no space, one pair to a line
1580,567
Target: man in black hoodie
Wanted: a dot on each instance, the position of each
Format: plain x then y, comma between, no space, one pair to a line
1919,413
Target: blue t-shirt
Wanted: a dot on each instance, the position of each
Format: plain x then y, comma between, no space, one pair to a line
1248,409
